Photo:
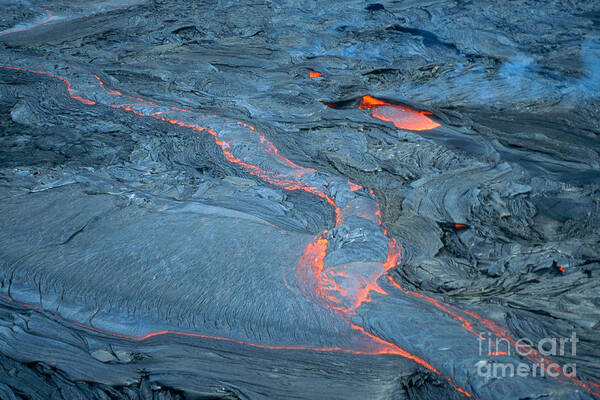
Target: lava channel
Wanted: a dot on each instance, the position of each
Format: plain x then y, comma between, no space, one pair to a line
344,288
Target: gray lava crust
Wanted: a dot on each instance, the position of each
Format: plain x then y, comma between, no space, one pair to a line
187,213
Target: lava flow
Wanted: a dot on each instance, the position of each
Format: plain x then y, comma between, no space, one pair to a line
344,286
49,17
46,19
502,333
402,117
355,291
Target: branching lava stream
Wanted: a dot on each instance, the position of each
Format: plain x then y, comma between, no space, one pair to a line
342,286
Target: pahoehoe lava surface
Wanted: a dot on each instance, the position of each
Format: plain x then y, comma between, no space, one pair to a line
299,199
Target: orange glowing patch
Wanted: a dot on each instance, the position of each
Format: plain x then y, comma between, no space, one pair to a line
402,117
369,102
353,186
464,392
314,74
561,269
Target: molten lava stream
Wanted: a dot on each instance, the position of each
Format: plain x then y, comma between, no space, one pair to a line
501,333
535,357
28,28
313,273
50,17
403,118
315,252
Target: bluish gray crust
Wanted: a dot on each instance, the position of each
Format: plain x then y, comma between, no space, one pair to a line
132,225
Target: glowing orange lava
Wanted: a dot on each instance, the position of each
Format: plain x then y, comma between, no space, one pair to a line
354,187
499,331
344,288
44,21
67,83
533,355
314,74
466,324
402,117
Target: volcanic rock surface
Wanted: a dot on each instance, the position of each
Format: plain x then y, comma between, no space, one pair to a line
298,199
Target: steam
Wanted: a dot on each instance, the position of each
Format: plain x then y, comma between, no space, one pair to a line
589,85
521,79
